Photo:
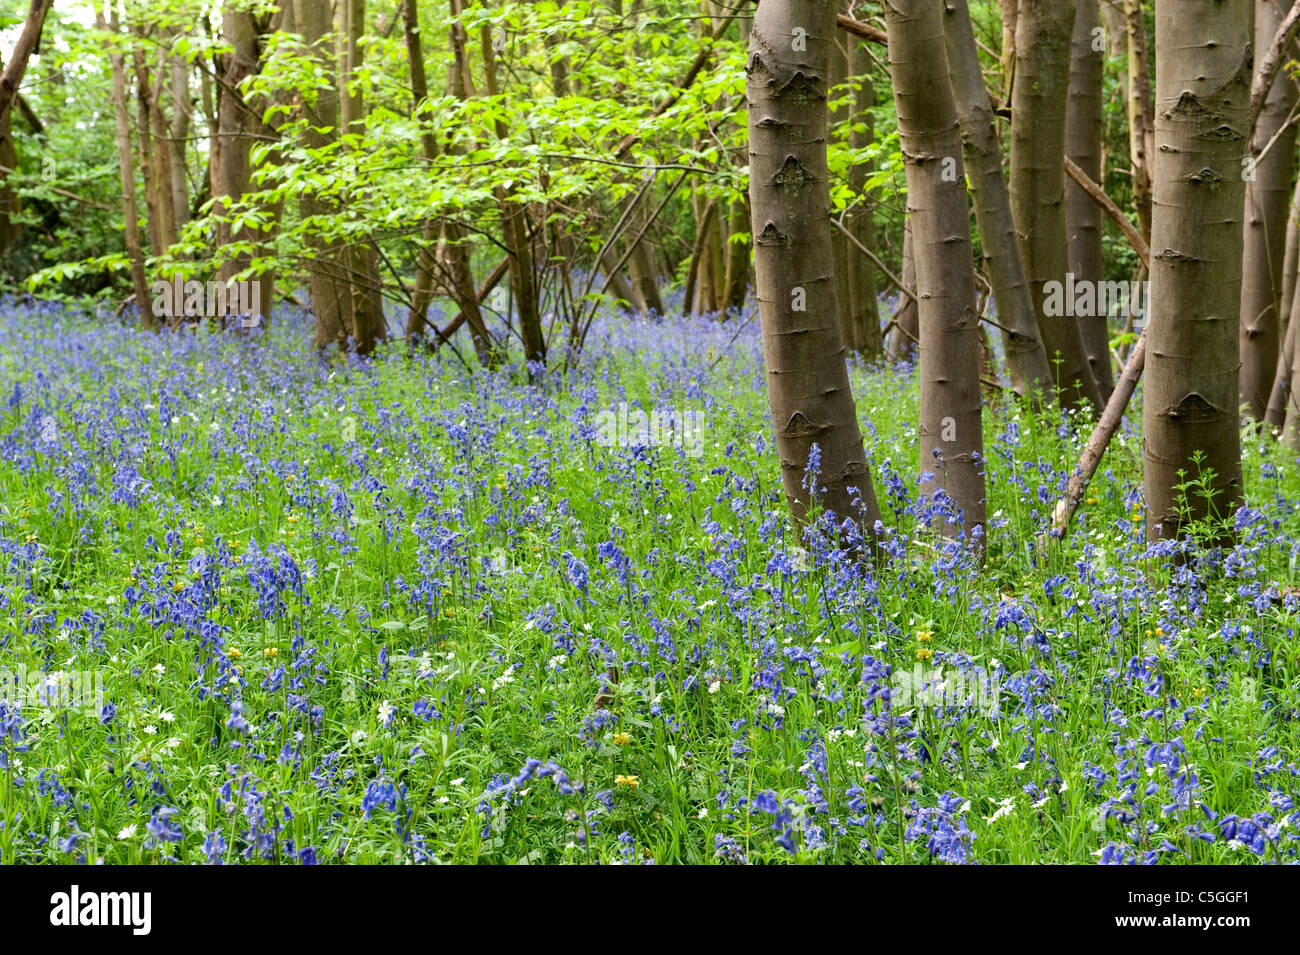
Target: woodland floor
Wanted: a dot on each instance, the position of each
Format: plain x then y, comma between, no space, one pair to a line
370,613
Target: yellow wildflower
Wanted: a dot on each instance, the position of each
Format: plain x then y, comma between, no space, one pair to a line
627,782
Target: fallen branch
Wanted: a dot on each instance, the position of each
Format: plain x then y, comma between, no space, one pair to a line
1107,204
1271,63
894,280
1113,413
1100,437
858,28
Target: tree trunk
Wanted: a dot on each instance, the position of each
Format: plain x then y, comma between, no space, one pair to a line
1280,395
862,284
641,263
515,230
1083,140
1141,122
1281,401
982,150
1043,32
907,330
126,170
859,307
182,109
839,72
952,435
807,381
738,256
233,122
1010,10
458,256
1203,78
327,272
11,79
151,137
369,324
1290,262
1268,200
706,217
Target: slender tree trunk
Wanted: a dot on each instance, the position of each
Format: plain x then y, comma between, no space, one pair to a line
738,256
327,272
457,254
1141,122
1083,140
516,232
1010,9
952,435
1190,422
907,329
1268,200
641,263
369,324
1281,400
839,70
982,149
1290,263
11,78
153,154
233,168
619,288
1043,32
1280,395
705,221
807,381
126,170
856,285
182,110
208,100
864,306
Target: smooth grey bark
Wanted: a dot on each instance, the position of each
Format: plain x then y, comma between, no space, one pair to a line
738,255
1280,394
327,269
1268,200
1189,414
1141,122
1281,401
864,309
807,381
126,172
952,433
1083,144
182,111
233,130
906,330
982,151
369,326
1043,32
